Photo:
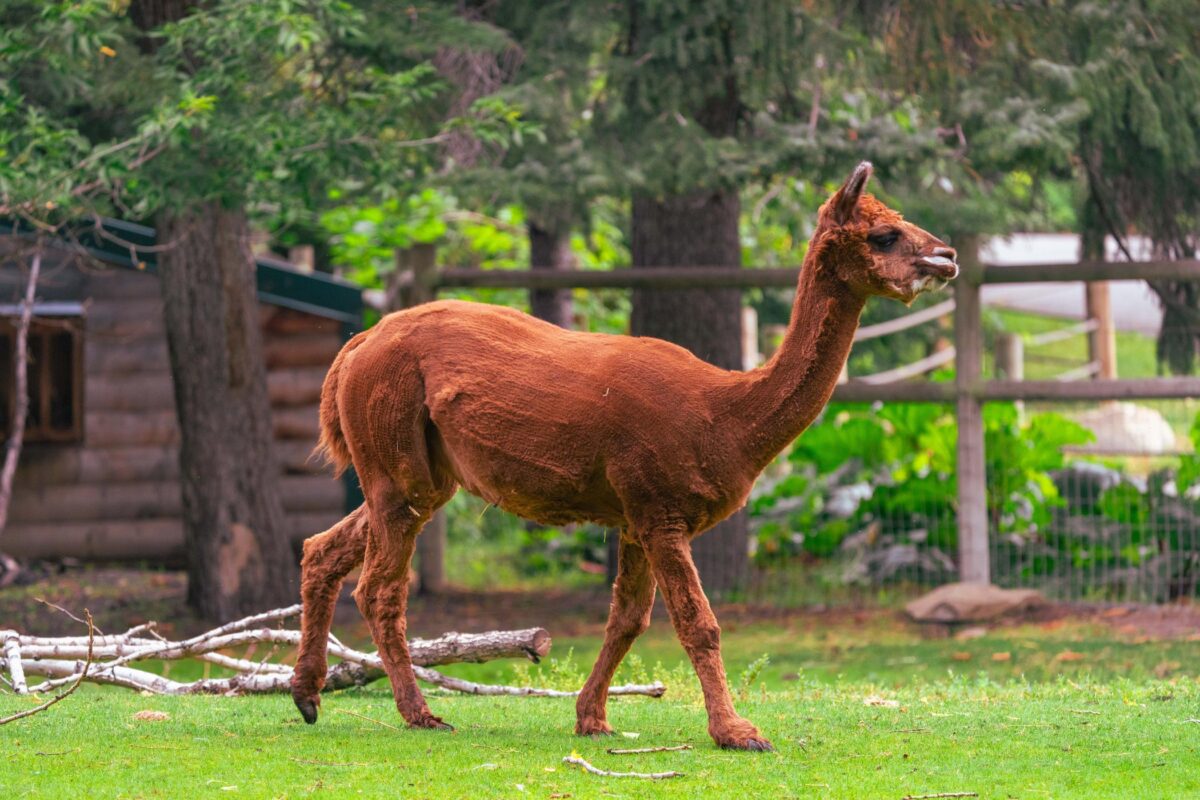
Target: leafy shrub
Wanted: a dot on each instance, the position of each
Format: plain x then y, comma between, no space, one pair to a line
864,468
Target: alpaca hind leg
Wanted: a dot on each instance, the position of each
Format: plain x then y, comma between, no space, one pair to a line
382,597
628,618
328,558
670,557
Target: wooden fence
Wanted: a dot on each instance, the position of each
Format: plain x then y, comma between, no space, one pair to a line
418,280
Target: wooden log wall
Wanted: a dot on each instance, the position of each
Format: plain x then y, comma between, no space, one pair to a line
116,495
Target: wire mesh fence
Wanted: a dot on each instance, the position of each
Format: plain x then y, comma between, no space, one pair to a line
1091,501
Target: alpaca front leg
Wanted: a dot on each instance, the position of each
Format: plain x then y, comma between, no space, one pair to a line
670,558
382,597
328,558
628,618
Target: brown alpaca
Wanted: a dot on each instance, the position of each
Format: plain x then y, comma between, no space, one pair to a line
557,426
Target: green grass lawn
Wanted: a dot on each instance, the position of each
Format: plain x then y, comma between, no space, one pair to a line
857,709
1121,739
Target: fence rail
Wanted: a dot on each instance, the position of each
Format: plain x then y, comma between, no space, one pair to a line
783,277
968,391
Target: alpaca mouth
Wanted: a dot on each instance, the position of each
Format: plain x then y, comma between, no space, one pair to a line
938,266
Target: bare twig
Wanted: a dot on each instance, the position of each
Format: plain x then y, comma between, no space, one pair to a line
21,384
939,795
62,695
580,761
368,719
655,689
616,751
62,610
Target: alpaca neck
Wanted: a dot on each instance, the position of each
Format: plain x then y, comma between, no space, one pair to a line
782,398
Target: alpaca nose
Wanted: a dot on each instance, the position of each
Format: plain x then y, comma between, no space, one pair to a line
946,252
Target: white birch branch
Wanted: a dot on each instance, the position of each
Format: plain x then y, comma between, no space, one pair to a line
12,654
58,659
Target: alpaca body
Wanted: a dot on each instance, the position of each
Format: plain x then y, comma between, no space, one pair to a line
556,426
552,425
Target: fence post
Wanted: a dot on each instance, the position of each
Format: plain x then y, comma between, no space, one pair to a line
421,261
1102,342
973,555
1010,356
1010,362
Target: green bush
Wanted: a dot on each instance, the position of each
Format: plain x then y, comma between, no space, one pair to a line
900,460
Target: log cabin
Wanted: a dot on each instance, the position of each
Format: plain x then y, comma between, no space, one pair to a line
98,476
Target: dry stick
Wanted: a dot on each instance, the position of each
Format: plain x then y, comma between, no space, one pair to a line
21,381
615,751
368,719
939,795
61,695
580,761
655,689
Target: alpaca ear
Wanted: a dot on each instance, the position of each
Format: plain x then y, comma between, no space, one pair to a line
846,200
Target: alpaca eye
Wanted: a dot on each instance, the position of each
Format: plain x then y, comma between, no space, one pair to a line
884,241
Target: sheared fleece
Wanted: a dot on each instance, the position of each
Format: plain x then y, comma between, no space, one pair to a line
559,426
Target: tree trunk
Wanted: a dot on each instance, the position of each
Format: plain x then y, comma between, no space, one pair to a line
550,248
699,229
239,559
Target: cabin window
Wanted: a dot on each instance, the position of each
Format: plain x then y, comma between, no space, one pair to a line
55,371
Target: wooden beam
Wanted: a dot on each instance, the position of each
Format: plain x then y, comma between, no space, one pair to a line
855,391
1093,271
640,278
1145,389
904,323
911,370
786,277
973,552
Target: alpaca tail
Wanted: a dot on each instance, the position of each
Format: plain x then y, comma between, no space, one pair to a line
332,445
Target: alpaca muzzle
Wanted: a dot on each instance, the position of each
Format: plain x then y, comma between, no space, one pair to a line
939,267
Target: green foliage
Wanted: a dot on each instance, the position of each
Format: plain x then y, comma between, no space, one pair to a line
896,463
490,548
1189,465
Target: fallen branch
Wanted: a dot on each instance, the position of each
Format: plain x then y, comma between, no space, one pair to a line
939,795
107,660
12,655
637,751
62,695
580,761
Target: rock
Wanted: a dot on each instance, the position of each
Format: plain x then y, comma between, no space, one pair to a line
972,602
1127,429
1090,529
887,561
843,501
1081,484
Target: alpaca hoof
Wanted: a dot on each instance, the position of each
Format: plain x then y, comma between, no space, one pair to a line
741,736
590,726
430,722
309,706
755,744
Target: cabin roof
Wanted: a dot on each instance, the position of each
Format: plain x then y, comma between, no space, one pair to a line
127,244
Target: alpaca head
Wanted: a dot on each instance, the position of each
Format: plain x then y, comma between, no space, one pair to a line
873,251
